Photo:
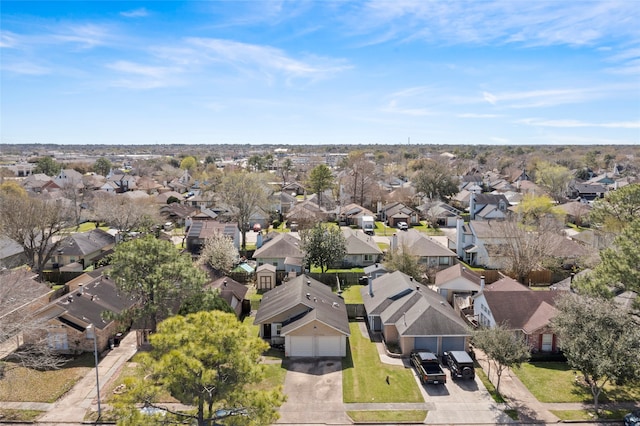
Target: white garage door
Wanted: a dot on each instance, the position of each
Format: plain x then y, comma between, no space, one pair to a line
301,346
328,346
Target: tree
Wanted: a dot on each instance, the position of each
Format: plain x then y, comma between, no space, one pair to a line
618,208
534,209
17,317
12,188
619,265
243,194
189,164
405,262
102,166
435,181
554,178
323,246
599,339
35,224
503,347
156,276
208,300
219,253
525,248
320,179
48,166
125,214
361,179
207,360
286,167
257,162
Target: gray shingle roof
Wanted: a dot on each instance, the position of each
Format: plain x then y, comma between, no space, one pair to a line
301,300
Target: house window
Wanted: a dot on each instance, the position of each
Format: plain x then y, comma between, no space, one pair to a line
368,258
443,260
547,343
58,341
278,329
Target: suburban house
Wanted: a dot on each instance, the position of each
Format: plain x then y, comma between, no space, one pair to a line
440,214
412,316
74,319
393,213
85,249
478,243
306,214
307,317
374,271
528,313
280,250
457,280
488,206
37,182
362,250
11,254
351,214
233,293
430,253
200,230
586,191
69,178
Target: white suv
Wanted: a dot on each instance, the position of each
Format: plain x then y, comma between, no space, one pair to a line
403,226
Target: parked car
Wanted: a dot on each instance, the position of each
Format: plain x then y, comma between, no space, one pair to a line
632,419
428,368
403,226
460,364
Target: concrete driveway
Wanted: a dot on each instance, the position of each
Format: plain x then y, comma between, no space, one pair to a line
314,392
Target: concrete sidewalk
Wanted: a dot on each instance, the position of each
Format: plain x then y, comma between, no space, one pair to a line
73,407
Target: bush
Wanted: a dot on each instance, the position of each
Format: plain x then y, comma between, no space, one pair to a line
276,224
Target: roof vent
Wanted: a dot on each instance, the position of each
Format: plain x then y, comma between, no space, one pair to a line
309,296
410,278
80,290
308,282
224,283
70,298
335,305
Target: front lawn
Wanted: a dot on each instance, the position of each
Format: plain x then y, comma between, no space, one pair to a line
27,416
556,382
366,379
377,416
573,415
26,385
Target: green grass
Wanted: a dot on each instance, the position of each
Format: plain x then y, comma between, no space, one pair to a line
409,416
556,382
487,384
25,385
274,375
567,415
383,246
512,413
364,377
7,414
352,294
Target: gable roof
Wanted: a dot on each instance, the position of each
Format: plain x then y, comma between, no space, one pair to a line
456,271
506,284
280,246
86,242
522,310
413,308
230,289
421,245
208,228
301,300
357,242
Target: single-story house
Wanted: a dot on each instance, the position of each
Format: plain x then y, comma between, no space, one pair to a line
457,280
528,313
413,316
430,253
233,293
307,317
393,213
362,250
69,318
276,248
85,248
200,230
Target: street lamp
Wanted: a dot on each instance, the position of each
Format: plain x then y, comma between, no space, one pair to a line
91,331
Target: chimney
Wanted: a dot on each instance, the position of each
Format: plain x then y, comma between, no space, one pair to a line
370,282
472,206
394,242
460,238
224,283
80,289
259,240
481,283
571,277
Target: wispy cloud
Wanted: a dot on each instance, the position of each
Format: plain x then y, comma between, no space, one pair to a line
136,13
7,39
144,76
84,35
392,107
474,115
539,98
496,22
537,122
25,68
266,58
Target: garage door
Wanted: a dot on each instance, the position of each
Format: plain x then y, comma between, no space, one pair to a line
426,344
328,346
453,344
301,346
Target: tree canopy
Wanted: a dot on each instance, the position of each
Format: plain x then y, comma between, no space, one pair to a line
323,245
599,339
189,163
320,179
554,178
617,209
102,166
48,166
156,276
502,347
405,262
208,360
435,181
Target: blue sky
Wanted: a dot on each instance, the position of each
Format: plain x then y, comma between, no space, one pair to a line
320,72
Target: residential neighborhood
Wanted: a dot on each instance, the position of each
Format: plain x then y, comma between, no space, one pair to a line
293,263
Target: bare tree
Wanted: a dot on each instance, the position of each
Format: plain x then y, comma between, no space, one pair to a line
525,249
361,179
125,214
243,193
20,298
35,224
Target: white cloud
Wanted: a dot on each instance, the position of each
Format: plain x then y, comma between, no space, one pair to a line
144,76
392,107
489,98
24,68
136,13
474,115
537,122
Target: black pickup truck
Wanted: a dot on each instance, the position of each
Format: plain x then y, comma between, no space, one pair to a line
428,368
